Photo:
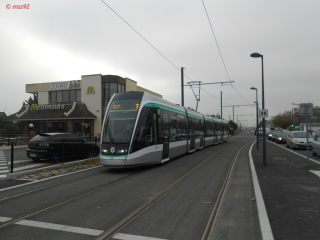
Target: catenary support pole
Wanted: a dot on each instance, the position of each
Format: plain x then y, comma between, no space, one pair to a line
182,88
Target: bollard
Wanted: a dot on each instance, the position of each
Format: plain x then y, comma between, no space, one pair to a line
12,151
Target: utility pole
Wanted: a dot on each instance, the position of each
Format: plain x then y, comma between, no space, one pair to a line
221,103
233,120
182,90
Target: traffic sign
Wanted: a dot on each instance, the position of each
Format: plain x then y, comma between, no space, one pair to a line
306,109
263,113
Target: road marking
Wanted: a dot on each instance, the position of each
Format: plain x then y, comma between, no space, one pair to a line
315,172
122,236
313,160
265,227
53,226
26,167
46,179
4,167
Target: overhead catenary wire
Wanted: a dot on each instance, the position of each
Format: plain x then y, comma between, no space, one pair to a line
219,49
144,38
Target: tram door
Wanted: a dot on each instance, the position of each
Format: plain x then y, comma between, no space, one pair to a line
165,134
192,134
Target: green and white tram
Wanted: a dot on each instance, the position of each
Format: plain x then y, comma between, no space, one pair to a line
141,129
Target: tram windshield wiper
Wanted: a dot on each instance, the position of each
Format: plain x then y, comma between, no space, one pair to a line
110,136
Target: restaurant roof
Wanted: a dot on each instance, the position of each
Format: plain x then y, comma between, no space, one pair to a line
52,112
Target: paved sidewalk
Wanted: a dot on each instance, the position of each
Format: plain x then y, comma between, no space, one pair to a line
291,192
3,147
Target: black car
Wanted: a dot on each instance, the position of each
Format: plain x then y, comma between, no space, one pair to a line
53,146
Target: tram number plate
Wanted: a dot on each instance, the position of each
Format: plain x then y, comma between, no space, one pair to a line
33,155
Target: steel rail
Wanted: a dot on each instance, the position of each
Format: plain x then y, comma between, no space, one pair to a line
208,233
52,185
135,214
14,220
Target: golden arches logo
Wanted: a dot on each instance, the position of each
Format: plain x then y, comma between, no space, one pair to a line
90,89
34,107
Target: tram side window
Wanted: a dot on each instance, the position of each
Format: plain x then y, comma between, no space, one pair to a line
200,127
226,129
191,127
173,126
216,129
209,128
145,131
160,127
182,128
165,125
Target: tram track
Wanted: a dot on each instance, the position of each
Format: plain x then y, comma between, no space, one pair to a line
14,220
120,225
208,233
135,214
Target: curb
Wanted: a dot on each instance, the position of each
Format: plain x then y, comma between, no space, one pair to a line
265,227
64,165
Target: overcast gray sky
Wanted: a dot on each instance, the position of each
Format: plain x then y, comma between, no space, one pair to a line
62,40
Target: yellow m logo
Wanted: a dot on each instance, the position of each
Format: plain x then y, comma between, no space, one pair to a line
90,89
34,107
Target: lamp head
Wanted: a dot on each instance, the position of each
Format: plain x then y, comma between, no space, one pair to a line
253,88
255,55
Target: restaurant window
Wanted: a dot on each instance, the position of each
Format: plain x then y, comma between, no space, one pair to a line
49,127
53,97
42,127
113,89
59,97
78,95
77,127
66,98
69,126
73,96
108,90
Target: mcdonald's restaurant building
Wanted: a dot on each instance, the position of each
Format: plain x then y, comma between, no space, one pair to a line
76,106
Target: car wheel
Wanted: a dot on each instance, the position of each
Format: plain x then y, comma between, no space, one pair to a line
55,157
35,159
314,153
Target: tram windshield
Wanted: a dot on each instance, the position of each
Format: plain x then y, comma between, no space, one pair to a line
120,121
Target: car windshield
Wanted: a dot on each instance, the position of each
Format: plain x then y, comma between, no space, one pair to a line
120,121
282,135
301,135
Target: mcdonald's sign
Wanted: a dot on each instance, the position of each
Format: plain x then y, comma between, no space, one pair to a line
34,107
90,89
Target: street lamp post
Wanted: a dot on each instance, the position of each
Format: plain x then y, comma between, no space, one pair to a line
258,55
257,128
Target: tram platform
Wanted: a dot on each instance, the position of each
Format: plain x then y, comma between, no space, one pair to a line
290,186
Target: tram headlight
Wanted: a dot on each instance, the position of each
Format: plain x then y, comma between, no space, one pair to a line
123,151
104,150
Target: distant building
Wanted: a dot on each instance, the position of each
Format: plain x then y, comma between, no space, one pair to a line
76,106
3,115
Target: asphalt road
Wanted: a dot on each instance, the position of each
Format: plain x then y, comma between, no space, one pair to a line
181,214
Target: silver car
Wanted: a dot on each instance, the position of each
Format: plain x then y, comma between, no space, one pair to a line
315,145
298,139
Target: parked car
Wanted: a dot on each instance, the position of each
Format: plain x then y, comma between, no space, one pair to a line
50,146
281,138
298,139
315,145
